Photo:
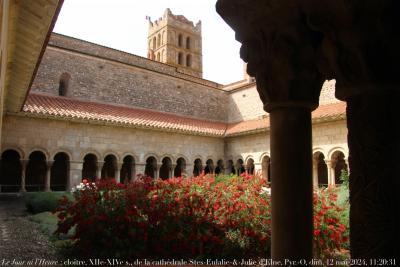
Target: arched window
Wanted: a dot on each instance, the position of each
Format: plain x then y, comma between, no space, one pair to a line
180,59
158,56
36,171
59,174
209,166
154,43
151,167
180,40
231,167
10,171
188,45
180,167
166,168
239,167
220,167
338,165
189,60
320,168
198,167
109,167
63,84
250,166
127,169
159,40
89,168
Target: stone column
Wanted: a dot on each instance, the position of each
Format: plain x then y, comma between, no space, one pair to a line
157,171
118,172
48,175
282,54
24,164
315,173
99,168
369,82
75,173
292,219
331,171
173,166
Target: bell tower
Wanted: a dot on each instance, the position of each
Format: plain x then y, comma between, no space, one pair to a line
175,40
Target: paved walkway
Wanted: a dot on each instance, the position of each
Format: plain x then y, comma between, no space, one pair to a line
20,239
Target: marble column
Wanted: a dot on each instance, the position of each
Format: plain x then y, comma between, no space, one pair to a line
99,168
47,187
315,172
118,172
24,164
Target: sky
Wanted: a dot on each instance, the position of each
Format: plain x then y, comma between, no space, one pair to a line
122,25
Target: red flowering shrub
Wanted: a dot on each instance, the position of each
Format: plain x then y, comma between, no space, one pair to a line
330,233
183,218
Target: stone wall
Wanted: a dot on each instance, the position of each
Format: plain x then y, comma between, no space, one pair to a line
245,104
101,79
327,138
27,134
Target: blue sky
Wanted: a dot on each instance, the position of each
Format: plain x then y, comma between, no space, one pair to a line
121,24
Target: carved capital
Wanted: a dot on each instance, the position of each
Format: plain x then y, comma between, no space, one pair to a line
281,50
360,44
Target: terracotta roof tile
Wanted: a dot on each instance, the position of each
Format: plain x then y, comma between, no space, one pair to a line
39,104
42,104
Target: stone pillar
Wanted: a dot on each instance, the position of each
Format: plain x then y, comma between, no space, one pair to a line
315,173
157,170
75,173
118,172
24,164
99,168
374,131
48,175
331,171
282,54
292,219
173,166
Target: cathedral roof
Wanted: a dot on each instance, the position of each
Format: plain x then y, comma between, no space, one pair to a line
56,107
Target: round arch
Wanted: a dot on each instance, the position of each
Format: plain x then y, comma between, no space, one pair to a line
117,157
84,153
263,155
336,149
40,149
17,149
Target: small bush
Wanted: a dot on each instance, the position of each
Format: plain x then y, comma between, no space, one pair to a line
37,202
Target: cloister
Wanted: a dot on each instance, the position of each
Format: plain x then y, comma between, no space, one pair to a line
39,170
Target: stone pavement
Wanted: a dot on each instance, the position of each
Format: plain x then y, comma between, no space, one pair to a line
20,239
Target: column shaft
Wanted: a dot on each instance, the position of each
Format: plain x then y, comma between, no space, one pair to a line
24,163
292,191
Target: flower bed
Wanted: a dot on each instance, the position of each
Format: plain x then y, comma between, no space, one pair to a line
202,217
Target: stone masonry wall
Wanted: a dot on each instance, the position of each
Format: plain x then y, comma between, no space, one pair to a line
327,138
77,139
100,79
245,104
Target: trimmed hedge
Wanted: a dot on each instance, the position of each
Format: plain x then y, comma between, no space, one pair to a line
37,202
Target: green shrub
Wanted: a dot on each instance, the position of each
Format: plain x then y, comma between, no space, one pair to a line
37,202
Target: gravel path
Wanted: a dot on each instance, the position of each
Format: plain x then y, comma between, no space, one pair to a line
20,239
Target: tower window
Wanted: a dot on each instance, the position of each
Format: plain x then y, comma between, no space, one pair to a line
180,40
188,43
189,60
180,59
63,84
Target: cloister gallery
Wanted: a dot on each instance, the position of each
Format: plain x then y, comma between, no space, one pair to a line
72,109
